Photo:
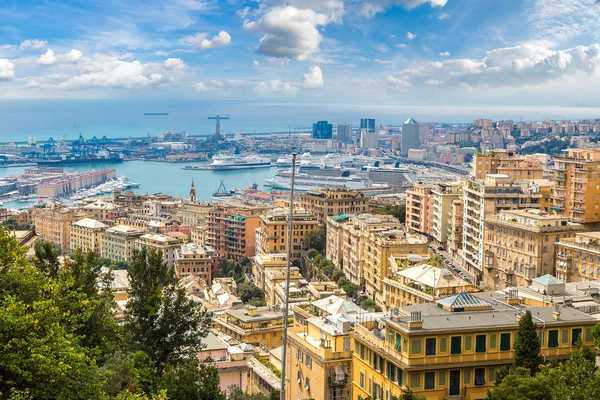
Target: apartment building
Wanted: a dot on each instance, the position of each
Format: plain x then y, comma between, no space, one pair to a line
86,235
506,162
275,286
354,233
192,259
442,197
53,223
118,242
452,348
576,191
324,204
418,208
272,232
519,246
422,283
104,211
319,358
494,194
335,238
168,245
263,262
578,257
231,230
455,230
253,325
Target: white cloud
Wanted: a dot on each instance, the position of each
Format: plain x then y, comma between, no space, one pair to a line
116,74
200,87
410,35
33,44
256,63
288,32
50,58
445,54
523,65
7,70
443,16
173,63
201,42
275,88
371,8
313,79
559,21
382,48
401,45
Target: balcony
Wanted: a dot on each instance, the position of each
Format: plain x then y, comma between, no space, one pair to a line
337,380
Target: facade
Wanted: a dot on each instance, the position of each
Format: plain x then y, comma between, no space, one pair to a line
104,211
493,195
442,197
86,235
455,229
253,325
335,238
322,130
344,133
118,242
506,162
272,232
164,243
327,203
369,140
419,204
452,348
519,246
578,258
192,259
368,124
274,286
576,192
410,136
263,262
231,230
53,223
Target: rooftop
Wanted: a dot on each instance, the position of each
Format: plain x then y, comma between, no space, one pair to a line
90,223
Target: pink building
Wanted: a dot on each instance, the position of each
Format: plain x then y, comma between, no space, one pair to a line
231,362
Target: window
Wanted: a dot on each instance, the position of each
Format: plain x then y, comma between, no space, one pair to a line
443,342
493,341
400,374
505,341
391,371
565,336
416,346
347,344
308,361
553,338
299,355
361,382
455,345
467,376
480,343
468,343
415,380
398,340
575,335
429,380
479,376
441,378
307,384
430,347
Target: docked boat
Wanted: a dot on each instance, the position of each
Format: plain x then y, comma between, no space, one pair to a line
230,162
304,182
222,191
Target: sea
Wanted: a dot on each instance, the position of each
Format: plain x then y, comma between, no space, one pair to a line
167,178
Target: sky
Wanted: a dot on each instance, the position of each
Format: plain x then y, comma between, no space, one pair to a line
428,53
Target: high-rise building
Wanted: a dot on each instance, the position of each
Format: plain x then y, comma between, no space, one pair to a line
577,185
322,130
368,124
443,194
344,133
327,203
369,140
507,162
410,136
419,204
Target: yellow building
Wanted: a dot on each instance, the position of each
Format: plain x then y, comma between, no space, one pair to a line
506,162
335,238
104,211
324,307
578,257
455,230
327,203
118,242
452,348
272,232
518,246
442,197
53,223
262,262
86,234
253,325
319,359
421,284
275,286
576,193
164,243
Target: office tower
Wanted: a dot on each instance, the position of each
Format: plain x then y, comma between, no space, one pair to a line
344,133
410,136
368,124
369,140
322,130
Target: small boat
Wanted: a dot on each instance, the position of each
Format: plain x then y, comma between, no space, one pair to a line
222,191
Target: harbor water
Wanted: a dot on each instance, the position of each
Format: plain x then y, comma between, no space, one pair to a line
167,178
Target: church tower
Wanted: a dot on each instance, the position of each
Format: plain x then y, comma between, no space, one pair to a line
193,192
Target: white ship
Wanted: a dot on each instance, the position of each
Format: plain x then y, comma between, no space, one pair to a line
226,162
305,182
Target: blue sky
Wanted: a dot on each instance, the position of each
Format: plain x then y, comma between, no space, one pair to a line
420,52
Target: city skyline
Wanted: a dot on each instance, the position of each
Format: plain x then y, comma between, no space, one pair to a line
420,52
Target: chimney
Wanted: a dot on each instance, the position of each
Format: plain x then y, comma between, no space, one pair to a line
556,312
416,322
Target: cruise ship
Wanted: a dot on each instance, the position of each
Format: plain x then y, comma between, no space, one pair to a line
226,162
304,182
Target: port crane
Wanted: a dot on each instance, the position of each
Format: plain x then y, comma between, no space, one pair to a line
218,119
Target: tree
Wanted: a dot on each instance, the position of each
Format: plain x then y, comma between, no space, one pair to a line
231,269
192,380
397,211
235,393
370,304
315,239
576,379
160,319
527,345
312,253
250,293
521,386
46,258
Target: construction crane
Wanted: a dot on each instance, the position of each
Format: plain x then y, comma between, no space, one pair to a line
218,127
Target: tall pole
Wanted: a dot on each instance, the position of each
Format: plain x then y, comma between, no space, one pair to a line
287,282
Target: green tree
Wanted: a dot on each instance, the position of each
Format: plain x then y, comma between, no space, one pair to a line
527,345
521,386
397,211
370,304
160,319
312,253
231,269
47,258
235,393
577,378
192,380
315,239
250,293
